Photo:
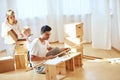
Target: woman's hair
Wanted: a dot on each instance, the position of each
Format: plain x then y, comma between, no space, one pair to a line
8,13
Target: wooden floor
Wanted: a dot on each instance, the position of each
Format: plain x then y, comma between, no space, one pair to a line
92,70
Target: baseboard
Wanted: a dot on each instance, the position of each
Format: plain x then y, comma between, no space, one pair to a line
116,49
2,51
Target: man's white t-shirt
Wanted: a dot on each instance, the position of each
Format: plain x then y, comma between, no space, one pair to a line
38,49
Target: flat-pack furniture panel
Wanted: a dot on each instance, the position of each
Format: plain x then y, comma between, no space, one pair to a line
6,64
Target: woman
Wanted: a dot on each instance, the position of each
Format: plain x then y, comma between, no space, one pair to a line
10,24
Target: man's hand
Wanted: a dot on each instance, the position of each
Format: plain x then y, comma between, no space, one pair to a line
49,48
63,49
50,57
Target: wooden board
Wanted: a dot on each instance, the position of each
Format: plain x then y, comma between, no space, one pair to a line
21,60
6,64
78,61
21,46
13,34
74,30
72,41
70,65
61,68
51,73
91,57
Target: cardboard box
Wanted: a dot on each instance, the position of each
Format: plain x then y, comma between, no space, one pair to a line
13,34
6,64
21,46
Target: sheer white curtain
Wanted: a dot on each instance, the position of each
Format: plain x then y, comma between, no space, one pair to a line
115,23
55,13
106,24
100,17
118,14
101,28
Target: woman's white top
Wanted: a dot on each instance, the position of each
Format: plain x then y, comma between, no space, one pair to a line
6,27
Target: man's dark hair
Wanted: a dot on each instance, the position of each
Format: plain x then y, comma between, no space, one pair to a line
45,28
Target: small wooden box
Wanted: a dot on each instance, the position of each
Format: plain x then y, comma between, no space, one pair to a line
73,30
21,60
21,46
6,64
13,34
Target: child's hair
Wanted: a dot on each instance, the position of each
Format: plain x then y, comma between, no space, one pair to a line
25,30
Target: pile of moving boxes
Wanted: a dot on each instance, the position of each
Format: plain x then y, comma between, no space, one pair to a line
58,68
20,59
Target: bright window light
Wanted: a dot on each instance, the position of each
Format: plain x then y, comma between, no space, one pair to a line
31,8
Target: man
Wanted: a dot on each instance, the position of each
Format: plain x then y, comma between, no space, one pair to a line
41,50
